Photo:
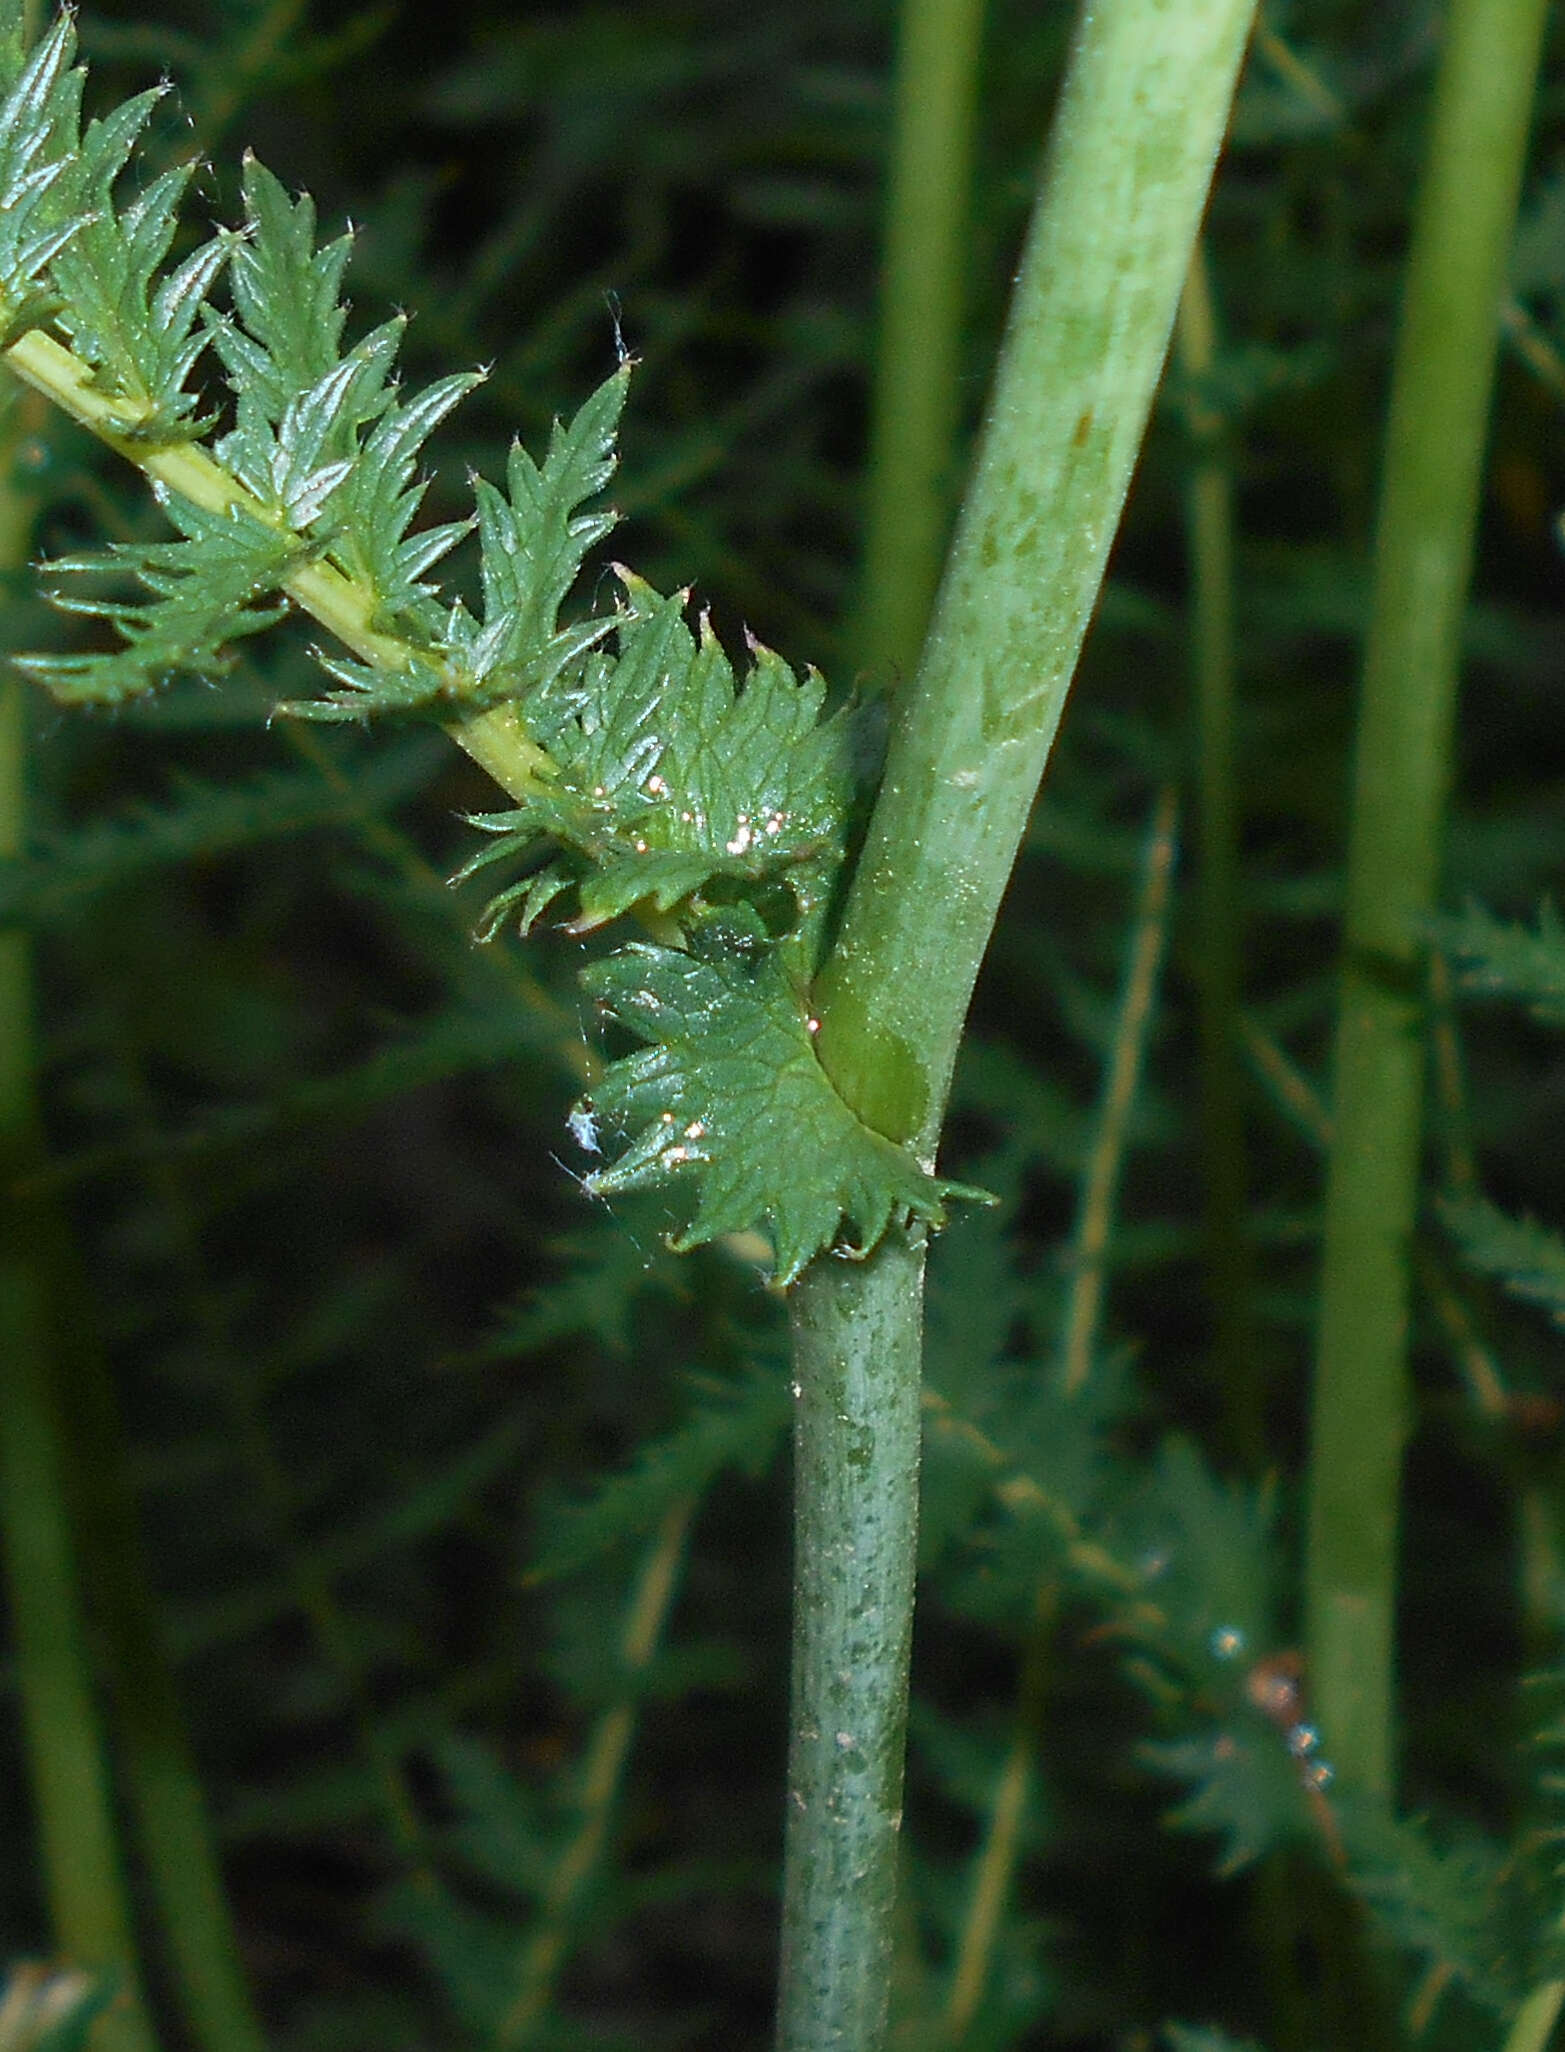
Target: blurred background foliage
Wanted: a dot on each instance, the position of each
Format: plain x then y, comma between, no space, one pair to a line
466,1503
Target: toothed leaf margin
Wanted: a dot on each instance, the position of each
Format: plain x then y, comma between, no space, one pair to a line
728,1093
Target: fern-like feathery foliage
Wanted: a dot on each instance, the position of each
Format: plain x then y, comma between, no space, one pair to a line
1528,1258
644,776
1502,959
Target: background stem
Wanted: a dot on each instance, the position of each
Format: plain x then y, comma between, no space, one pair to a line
71,1535
1081,1325
1209,522
1142,114
1423,553
602,1771
912,451
67,1760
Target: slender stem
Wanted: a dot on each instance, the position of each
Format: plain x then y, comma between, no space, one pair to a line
1534,2022
1423,552
1210,526
1083,1317
1141,117
608,1749
79,1845
173,1825
1100,1180
68,1393
912,451
1002,1846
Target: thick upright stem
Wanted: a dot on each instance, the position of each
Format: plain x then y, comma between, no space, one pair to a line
856,1446
912,454
1423,553
1141,117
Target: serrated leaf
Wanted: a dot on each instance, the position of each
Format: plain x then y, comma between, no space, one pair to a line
728,1093
39,122
673,779
324,439
285,291
1528,1258
140,336
379,499
1244,1788
535,537
368,690
532,545
1504,959
210,589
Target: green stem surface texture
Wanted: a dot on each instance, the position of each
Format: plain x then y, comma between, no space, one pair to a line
912,454
856,1347
1423,553
1141,117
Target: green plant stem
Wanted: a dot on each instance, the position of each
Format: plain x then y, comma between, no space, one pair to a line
1002,1845
607,1751
173,1825
80,1853
1534,2022
1209,520
1141,117
79,1844
1423,552
912,449
72,1388
856,1446
1100,1177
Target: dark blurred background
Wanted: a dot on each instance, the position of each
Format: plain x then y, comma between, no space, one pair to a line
377,1352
